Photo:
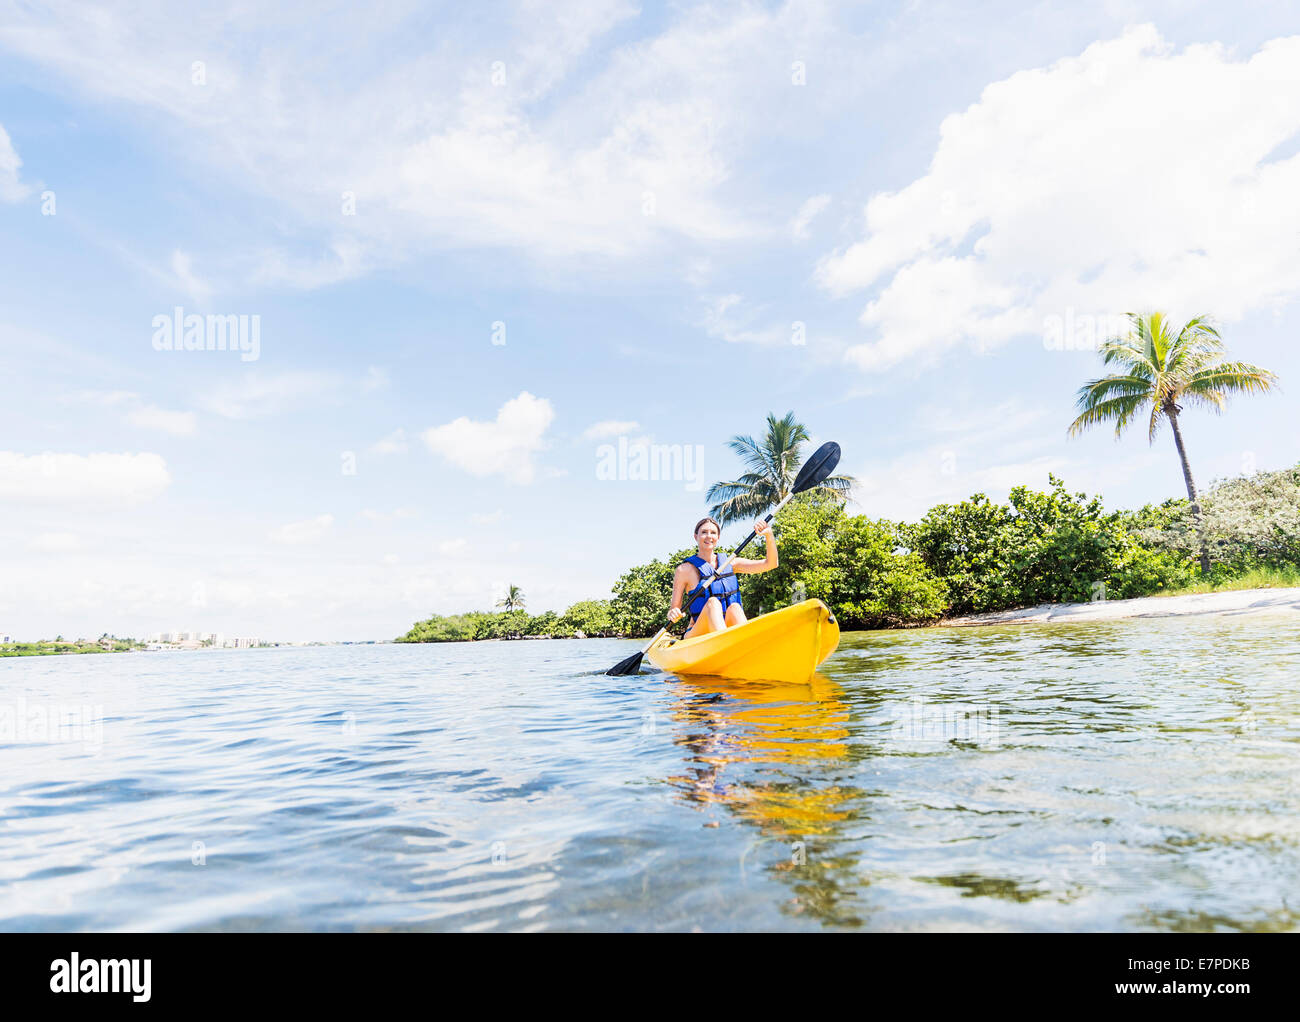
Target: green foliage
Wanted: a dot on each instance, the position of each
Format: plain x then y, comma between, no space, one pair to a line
59,645
975,556
805,530
641,595
1051,547
1250,522
851,563
590,617
878,586
821,556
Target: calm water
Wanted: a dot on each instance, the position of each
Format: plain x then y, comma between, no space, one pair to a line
1118,776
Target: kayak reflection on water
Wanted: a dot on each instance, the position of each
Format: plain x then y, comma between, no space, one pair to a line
725,721
718,606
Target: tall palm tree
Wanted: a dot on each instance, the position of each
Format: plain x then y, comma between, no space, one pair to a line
514,599
773,464
1163,370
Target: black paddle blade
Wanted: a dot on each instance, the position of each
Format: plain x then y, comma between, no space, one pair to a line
817,468
629,666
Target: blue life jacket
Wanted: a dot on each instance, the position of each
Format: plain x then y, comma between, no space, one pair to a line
724,586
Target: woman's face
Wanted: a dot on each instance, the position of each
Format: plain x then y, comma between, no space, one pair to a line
707,536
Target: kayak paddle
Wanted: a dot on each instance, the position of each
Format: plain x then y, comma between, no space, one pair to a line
814,472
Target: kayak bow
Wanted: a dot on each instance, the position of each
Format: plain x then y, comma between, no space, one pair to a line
786,645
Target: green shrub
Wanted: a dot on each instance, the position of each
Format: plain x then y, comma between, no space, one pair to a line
591,617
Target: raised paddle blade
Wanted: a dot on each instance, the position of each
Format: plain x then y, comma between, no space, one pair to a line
629,666
818,468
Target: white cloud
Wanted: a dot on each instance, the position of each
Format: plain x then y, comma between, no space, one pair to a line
394,443
807,213
138,413
721,320
153,417
91,479
489,517
344,260
387,516
453,547
55,542
375,379
11,189
311,530
182,269
1126,178
608,428
572,130
502,447
257,393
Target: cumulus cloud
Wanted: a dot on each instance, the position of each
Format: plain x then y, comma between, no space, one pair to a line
1128,177
11,189
82,479
311,530
503,447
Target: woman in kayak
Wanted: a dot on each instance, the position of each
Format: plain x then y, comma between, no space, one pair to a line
718,605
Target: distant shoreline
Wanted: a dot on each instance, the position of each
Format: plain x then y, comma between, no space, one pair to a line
1232,603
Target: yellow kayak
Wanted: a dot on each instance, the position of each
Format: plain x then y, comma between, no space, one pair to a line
786,645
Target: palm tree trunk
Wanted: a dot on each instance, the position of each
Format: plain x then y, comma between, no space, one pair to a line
1172,412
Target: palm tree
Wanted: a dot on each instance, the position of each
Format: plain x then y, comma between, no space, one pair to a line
514,599
1162,370
773,465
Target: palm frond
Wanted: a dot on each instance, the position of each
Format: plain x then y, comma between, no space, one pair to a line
838,484
1121,409
753,456
1232,377
1127,352
747,483
771,461
1196,345
1157,414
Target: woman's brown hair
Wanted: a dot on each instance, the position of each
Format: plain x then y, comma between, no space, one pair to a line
696,532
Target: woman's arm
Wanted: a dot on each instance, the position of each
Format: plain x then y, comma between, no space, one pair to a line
743,566
680,577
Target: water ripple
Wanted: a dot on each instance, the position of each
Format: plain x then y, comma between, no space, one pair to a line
1109,776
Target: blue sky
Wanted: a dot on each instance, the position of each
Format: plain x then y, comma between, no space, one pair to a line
647,199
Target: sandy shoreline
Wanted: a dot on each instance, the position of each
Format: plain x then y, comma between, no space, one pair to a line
1237,603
